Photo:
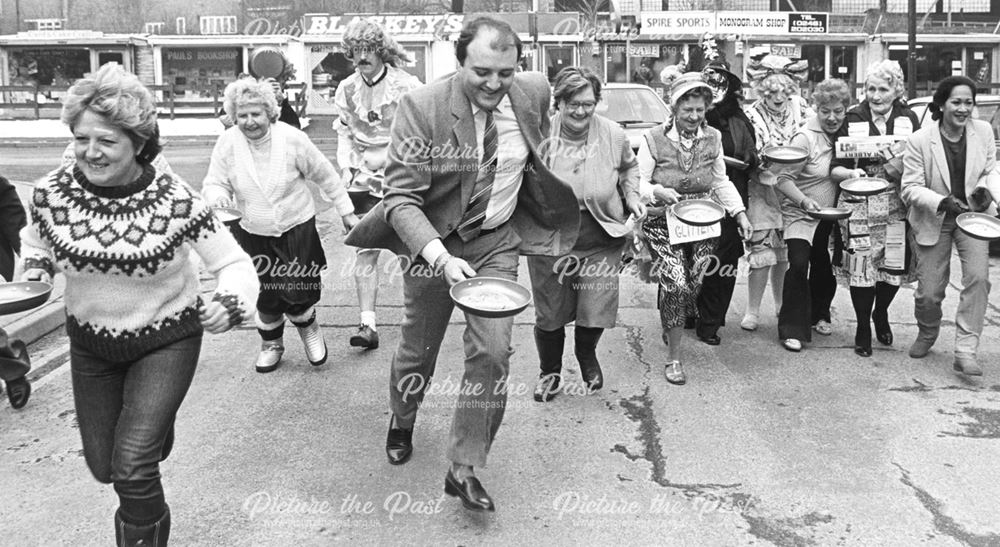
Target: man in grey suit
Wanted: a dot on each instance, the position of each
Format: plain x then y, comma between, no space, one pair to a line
466,191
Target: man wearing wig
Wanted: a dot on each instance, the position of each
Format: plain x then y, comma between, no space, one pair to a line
366,101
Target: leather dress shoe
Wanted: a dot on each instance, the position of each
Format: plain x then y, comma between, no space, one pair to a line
270,355
366,337
967,366
312,339
863,351
18,391
471,492
398,444
712,340
547,387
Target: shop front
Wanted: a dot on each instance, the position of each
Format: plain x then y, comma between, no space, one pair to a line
429,41
200,67
943,55
53,60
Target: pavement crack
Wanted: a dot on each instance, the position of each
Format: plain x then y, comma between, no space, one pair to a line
639,409
943,523
924,388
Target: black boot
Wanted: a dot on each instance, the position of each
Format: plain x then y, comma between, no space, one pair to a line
550,350
586,355
153,535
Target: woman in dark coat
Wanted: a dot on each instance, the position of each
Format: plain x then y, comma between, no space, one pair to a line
738,142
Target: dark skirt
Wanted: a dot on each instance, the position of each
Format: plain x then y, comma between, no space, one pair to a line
289,267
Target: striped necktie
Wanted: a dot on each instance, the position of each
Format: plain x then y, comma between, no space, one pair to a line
475,213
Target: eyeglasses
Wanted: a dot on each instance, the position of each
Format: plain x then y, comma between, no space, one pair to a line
587,106
360,51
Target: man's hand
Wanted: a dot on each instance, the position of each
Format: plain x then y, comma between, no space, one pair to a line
455,269
36,274
745,228
951,205
350,220
214,317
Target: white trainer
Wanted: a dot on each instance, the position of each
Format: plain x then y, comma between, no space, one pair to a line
270,355
312,339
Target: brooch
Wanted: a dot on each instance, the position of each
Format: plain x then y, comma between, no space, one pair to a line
373,116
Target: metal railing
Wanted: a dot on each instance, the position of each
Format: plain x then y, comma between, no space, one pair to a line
45,101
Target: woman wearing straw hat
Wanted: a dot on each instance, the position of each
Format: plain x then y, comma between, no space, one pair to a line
682,159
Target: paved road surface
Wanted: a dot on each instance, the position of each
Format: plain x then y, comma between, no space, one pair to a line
762,447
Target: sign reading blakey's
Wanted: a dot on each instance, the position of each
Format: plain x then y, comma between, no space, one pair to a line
394,24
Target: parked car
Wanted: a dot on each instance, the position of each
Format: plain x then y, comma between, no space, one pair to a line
987,108
635,107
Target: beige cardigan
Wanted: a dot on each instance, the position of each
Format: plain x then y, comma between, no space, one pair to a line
610,169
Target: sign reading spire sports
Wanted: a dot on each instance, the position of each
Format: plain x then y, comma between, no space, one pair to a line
733,22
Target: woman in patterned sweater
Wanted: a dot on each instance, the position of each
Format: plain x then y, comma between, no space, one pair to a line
122,232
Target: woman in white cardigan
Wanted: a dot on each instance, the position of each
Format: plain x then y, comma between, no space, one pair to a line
949,167
260,166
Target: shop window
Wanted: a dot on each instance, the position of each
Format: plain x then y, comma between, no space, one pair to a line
48,66
979,61
45,24
198,73
934,62
646,61
217,24
180,25
153,28
556,59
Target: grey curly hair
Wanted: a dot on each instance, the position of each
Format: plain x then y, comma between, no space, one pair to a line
247,91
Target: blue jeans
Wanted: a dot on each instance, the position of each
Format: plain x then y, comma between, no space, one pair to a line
126,411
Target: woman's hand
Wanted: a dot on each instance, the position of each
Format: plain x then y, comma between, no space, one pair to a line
745,228
666,195
809,204
951,205
36,274
214,317
223,202
636,206
350,220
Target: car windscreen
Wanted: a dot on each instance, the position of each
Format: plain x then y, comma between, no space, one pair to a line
632,105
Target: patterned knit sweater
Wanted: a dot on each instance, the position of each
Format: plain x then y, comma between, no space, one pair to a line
131,286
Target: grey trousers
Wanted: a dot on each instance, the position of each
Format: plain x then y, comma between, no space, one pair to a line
427,305
933,269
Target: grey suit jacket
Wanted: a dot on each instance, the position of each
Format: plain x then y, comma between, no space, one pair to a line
926,180
432,168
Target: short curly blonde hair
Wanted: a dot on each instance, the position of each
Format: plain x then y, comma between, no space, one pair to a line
121,98
246,91
776,83
367,34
